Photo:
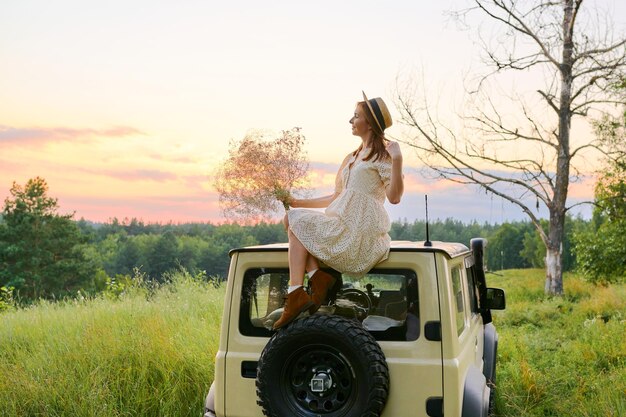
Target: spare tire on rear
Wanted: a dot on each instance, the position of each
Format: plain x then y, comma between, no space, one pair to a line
322,365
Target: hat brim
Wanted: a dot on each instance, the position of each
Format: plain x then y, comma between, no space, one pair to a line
375,112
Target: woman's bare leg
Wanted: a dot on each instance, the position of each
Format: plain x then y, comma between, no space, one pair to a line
311,263
298,300
298,257
300,260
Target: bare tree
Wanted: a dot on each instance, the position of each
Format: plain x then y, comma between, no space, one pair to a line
579,60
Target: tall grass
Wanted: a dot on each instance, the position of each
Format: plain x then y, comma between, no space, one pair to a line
560,356
151,353
146,354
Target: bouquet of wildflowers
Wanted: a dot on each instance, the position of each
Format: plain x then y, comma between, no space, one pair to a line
259,175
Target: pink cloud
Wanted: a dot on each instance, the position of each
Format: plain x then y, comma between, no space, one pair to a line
134,174
21,136
177,159
163,195
583,189
155,209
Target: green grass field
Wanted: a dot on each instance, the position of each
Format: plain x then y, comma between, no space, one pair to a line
151,353
560,356
141,355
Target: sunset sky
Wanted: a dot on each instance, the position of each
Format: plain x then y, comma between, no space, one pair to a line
127,107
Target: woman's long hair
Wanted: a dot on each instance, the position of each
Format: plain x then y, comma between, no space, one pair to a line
378,151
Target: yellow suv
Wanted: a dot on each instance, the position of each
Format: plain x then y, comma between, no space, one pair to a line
413,337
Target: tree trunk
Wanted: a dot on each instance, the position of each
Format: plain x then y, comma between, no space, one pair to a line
554,277
554,261
554,272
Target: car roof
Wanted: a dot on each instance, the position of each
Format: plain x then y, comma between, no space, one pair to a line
448,248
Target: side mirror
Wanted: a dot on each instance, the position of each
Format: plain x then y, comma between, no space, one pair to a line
494,299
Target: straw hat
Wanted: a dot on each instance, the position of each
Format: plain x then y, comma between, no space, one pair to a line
379,109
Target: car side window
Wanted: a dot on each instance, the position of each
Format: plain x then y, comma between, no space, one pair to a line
472,290
459,299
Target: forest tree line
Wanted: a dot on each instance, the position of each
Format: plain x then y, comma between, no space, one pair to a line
47,255
119,247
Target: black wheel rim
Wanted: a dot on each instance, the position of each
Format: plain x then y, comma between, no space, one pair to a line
318,379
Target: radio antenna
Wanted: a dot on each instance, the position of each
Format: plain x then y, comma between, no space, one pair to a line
427,242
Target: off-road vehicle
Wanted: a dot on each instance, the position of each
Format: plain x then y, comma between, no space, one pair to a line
413,337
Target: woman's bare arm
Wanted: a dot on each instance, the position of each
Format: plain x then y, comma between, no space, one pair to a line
395,188
318,202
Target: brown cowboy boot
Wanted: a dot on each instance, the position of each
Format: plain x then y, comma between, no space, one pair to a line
296,302
321,282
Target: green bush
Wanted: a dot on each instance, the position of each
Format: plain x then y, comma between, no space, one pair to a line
601,253
6,299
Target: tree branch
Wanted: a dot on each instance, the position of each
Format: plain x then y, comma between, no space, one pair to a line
596,51
549,100
522,28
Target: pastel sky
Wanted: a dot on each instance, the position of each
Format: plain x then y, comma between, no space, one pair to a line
127,107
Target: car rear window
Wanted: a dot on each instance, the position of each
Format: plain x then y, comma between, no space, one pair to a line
385,301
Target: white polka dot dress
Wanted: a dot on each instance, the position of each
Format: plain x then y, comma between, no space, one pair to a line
351,235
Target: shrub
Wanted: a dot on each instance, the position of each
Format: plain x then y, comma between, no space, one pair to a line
6,299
